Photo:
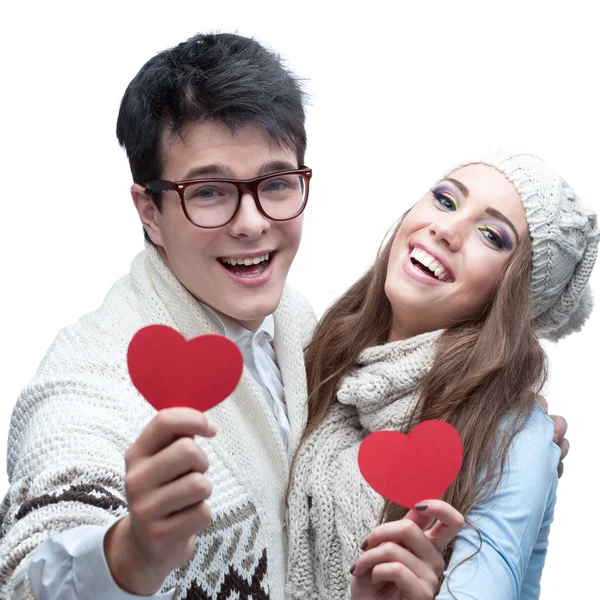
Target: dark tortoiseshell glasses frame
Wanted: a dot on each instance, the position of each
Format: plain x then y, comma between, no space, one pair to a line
244,186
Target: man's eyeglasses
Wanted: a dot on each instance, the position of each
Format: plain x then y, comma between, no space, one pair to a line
211,203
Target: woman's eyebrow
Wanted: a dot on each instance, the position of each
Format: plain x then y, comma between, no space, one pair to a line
464,190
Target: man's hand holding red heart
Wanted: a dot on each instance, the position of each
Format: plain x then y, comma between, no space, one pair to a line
167,489
165,470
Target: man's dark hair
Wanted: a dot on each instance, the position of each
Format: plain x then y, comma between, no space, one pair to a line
218,77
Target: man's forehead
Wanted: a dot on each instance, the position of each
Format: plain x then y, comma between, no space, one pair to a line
216,134
213,149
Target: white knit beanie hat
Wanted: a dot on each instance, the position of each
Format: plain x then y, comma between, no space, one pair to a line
565,240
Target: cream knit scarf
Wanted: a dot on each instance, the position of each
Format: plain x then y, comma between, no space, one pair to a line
331,508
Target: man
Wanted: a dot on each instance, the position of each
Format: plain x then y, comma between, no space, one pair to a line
77,522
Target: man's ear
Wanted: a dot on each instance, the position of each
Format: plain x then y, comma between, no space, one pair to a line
147,212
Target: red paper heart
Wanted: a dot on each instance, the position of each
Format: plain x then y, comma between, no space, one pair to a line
170,371
407,469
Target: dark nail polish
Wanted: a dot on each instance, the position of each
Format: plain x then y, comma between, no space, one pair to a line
352,569
421,506
364,545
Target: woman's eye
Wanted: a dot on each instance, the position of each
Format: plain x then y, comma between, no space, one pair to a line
446,201
493,236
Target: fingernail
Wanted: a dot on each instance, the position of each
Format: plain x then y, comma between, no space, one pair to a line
352,568
421,506
364,545
212,427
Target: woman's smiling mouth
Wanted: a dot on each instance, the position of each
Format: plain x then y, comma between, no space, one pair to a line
429,264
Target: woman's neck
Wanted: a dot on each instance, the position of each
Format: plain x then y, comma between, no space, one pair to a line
403,329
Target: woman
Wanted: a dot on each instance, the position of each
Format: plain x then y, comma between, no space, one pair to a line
445,325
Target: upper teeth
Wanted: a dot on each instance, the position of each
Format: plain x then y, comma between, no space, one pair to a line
245,261
430,262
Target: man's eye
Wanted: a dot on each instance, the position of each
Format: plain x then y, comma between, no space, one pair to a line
275,186
205,193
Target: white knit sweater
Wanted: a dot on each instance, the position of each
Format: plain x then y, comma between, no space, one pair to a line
73,423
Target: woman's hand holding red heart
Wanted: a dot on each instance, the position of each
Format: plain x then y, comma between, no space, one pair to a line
166,489
403,562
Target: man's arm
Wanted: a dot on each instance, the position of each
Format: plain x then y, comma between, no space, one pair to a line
560,431
72,566
65,461
65,467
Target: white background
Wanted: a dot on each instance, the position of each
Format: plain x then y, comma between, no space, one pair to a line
399,92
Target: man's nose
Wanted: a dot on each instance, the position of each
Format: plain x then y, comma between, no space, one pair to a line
248,221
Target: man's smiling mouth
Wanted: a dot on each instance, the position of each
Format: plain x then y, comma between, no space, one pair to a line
247,266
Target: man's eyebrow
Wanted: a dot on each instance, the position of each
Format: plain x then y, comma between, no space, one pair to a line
276,165
464,190
498,215
216,170
221,171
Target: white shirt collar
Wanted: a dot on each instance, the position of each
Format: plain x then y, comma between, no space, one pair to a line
236,332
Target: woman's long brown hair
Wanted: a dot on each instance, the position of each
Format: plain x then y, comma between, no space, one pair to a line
484,379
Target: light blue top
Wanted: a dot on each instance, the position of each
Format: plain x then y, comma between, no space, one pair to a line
514,523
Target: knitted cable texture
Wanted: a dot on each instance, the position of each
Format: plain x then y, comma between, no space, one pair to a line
331,507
